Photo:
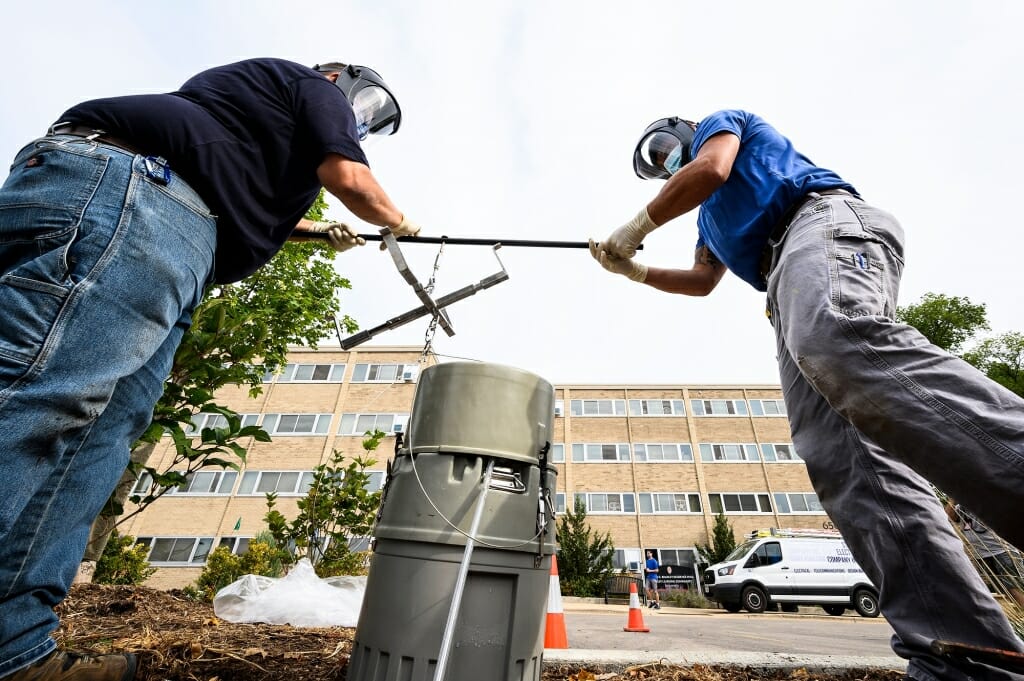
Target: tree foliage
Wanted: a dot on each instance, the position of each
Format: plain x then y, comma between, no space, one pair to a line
723,541
339,507
946,321
123,562
584,556
263,557
1001,359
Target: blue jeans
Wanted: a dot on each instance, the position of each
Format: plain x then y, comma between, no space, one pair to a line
100,269
878,413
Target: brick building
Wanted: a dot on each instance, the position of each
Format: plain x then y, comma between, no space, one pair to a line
653,463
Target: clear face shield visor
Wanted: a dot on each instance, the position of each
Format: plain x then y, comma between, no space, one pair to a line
376,109
663,149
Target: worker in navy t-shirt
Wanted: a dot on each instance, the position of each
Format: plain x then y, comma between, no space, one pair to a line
877,412
111,227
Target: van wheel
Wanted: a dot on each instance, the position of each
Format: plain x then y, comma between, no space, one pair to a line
754,599
836,610
866,603
731,607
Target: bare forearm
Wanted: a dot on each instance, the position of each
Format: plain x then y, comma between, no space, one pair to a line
357,188
687,189
685,282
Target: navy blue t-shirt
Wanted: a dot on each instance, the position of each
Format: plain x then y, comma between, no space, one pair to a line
767,178
248,137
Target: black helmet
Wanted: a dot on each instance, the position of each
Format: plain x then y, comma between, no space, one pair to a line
663,149
374,105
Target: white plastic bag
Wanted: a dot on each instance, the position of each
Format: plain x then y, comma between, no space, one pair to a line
300,598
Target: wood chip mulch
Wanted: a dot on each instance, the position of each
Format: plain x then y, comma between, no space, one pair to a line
177,639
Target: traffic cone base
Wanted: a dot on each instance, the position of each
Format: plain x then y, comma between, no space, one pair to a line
554,627
636,615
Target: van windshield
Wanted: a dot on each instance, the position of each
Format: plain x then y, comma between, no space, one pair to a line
742,550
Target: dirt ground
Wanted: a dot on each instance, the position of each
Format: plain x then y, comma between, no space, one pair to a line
180,640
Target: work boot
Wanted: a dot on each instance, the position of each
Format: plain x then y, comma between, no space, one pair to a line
64,665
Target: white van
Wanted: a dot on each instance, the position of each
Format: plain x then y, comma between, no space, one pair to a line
791,568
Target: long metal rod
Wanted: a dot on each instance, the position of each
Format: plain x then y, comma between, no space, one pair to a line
460,582
465,241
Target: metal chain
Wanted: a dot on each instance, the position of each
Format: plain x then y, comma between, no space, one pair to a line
428,337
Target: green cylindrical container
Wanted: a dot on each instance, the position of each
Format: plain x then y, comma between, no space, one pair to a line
465,415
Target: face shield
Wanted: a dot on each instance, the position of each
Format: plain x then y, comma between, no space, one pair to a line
375,108
663,149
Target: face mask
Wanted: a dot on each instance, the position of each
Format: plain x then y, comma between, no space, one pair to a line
674,161
362,129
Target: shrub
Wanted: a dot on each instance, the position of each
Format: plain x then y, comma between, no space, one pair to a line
123,562
687,598
223,567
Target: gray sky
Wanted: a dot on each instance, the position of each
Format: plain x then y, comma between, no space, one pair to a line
520,118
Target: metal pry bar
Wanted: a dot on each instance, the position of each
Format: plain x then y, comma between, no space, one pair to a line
464,241
421,293
423,310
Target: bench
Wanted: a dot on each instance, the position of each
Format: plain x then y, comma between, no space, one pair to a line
617,586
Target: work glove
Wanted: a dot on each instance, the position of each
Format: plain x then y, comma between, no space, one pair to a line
627,267
623,242
340,236
404,228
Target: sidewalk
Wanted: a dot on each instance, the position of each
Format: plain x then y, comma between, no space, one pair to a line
674,643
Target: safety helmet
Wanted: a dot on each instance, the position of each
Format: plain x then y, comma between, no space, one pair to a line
663,149
375,107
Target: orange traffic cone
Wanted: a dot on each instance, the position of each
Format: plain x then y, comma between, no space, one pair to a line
636,615
554,628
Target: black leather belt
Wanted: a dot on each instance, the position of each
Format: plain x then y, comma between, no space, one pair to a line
783,225
95,134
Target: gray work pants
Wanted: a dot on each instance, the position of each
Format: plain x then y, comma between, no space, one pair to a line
877,412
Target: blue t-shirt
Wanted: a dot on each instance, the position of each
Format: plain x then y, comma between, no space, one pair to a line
248,137
768,177
652,564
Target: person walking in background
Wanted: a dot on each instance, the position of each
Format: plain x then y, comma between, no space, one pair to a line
875,410
651,581
111,227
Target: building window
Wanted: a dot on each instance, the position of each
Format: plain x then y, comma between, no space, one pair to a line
169,551
663,452
284,483
779,452
560,502
626,559
718,407
603,502
206,482
767,408
712,453
557,454
375,482
670,502
798,502
297,424
384,373
360,424
319,373
559,408
656,408
606,453
237,545
729,503
204,420
597,407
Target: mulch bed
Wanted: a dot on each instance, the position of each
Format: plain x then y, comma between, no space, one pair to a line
177,639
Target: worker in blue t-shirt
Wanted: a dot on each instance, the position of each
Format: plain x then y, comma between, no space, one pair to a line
875,410
651,581
111,227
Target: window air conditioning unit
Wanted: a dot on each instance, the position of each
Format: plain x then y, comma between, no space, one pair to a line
558,411
397,428
409,375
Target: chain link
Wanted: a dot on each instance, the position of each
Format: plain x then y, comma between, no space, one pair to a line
428,337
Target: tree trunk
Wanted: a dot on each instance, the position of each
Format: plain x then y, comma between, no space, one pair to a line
105,522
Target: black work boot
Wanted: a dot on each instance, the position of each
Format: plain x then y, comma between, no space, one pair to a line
64,665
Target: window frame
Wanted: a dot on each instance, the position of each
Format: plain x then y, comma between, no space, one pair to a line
321,424
578,407
740,407
399,419
748,449
622,449
677,407
622,502
759,411
680,447
652,497
758,497
197,542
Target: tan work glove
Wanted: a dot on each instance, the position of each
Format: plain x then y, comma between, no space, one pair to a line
627,267
623,242
404,228
340,236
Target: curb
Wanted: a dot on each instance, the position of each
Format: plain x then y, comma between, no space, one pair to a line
773,661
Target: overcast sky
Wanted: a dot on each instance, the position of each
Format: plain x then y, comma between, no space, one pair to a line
520,118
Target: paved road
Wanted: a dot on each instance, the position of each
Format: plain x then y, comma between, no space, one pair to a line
599,627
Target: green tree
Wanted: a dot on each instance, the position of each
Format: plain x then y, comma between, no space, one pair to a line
239,333
584,556
337,508
123,562
945,321
723,541
1001,359
262,557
